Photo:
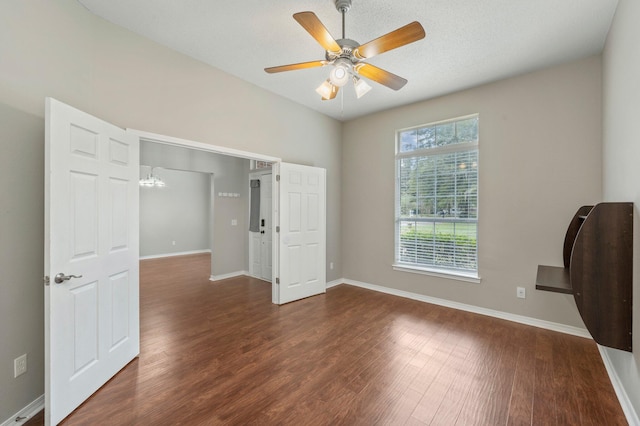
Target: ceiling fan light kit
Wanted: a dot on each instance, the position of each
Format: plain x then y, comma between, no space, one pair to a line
347,56
339,75
326,89
361,87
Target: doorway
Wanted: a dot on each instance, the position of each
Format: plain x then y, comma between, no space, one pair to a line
223,234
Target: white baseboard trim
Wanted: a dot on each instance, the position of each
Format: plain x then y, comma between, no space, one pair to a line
180,253
630,413
562,328
27,412
229,275
335,282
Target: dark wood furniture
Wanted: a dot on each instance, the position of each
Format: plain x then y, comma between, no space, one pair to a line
598,258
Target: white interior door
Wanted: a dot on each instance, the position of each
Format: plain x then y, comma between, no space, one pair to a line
266,226
91,232
301,244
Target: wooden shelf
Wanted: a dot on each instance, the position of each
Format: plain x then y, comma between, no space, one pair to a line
553,278
598,258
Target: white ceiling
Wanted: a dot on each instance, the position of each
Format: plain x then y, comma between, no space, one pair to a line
468,42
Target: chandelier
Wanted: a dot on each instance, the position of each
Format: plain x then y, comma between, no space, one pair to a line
152,180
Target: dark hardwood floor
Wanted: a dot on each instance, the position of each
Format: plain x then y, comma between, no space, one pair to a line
221,353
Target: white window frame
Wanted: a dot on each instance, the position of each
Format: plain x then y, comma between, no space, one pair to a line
460,275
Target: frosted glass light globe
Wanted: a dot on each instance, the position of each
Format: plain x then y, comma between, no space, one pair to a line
339,76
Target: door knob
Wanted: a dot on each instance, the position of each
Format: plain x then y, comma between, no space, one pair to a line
61,277
262,232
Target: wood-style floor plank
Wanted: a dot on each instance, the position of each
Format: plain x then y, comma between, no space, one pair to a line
521,401
544,398
222,354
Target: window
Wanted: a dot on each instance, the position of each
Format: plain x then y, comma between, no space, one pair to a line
437,198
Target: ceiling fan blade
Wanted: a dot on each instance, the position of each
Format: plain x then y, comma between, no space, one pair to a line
298,66
381,76
400,37
334,92
312,24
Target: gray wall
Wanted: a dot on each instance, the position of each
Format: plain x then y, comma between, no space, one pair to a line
621,88
21,257
175,218
540,159
229,244
59,49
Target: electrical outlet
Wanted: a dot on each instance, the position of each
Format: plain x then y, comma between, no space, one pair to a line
20,365
521,293
234,222
331,265
173,243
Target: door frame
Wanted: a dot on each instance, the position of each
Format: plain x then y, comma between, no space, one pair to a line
201,146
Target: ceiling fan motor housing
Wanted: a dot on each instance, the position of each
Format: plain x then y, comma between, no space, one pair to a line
347,47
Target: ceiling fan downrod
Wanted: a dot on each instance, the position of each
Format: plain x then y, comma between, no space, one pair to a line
343,7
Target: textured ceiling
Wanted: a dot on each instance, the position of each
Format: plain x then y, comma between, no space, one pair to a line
468,42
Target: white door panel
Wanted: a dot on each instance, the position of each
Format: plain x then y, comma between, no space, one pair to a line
260,255
256,254
266,206
302,239
91,229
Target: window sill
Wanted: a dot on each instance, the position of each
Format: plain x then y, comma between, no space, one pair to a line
440,273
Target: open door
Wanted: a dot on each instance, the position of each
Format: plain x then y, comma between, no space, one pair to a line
300,208
91,255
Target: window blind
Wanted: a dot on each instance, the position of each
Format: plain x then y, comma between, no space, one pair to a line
437,196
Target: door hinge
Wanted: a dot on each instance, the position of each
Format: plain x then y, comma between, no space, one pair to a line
277,178
46,280
277,280
277,229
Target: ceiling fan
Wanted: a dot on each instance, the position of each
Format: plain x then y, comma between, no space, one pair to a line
347,56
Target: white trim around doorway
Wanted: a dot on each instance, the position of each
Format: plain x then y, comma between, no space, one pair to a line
217,149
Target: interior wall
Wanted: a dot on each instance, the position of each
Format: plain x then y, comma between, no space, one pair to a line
621,89
540,160
59,49
175,218
21,257
70,54
228,242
